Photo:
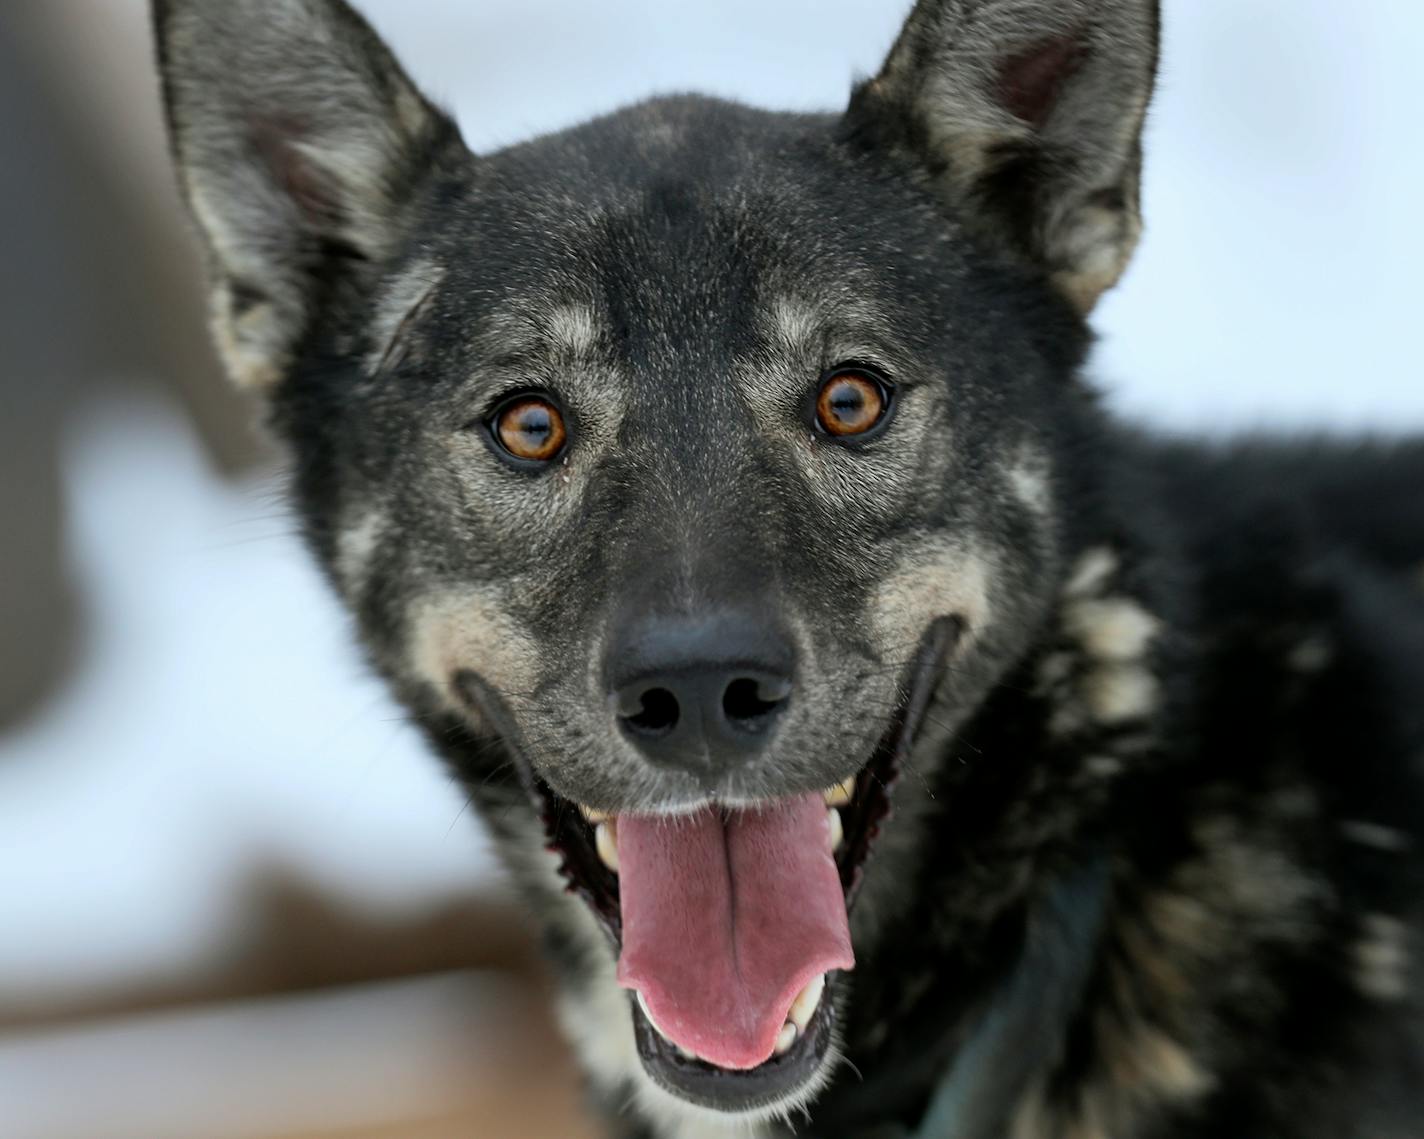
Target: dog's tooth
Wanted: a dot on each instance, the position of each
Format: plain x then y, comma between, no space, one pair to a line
803,1008
841,793
594,816
685,1053
833,821
605,837
785,1038
642,1004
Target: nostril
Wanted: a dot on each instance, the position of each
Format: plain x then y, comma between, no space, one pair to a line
750,704
656,715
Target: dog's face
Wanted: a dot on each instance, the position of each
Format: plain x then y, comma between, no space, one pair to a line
714,421
677,462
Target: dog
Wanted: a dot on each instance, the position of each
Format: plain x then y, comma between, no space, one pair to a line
890,742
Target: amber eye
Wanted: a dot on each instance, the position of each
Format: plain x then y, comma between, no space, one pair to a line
851,402
529,427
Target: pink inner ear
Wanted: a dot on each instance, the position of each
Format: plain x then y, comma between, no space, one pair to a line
272,137
1030,82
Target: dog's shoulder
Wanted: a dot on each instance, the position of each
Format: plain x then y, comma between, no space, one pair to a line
1276,869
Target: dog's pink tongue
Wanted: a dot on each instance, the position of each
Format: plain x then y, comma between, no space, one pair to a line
726,919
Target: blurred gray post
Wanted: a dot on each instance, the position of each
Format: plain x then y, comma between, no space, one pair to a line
99,293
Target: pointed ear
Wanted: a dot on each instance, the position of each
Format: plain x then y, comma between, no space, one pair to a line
1027,115
299,142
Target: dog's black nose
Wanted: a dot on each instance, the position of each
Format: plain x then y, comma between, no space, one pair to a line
699,694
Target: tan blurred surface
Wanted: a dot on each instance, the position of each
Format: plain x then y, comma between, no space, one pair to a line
297,939
465,1055
323,1021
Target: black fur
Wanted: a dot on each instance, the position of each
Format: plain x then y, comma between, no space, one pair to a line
1154,866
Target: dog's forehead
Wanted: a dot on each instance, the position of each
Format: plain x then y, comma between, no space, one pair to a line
681,224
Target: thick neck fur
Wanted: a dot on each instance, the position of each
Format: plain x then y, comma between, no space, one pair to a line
1018,875
1127,839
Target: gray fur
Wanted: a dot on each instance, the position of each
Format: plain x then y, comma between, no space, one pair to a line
1078,187
1151,659
313,155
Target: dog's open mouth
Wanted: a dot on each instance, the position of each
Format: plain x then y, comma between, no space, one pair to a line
731,923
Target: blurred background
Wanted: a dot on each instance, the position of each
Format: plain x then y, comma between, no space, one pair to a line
236,898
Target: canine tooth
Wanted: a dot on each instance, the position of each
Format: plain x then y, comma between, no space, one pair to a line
785,1038
833,820
841,793
605,837
686,1053
594,816
804,1006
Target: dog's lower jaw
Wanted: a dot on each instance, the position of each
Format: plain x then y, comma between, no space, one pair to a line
596,1017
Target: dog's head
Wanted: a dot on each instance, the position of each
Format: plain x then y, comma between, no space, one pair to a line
680,461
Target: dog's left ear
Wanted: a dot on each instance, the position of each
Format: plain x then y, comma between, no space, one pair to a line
1027,115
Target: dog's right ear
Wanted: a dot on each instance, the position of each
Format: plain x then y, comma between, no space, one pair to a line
299,142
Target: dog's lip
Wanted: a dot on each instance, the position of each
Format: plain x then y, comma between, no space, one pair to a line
780,1077
900,733
587,875
722,1089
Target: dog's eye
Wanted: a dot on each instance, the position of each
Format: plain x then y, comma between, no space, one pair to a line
529,427
851,402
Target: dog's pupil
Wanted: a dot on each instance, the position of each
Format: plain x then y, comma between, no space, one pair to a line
531,429
849,404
